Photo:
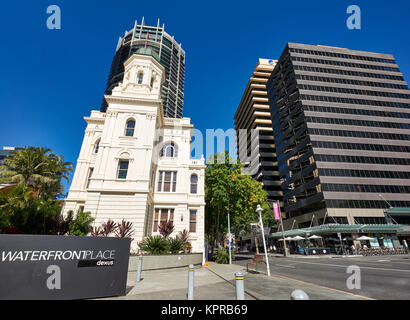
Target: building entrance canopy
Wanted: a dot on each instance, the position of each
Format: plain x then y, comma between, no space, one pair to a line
334,228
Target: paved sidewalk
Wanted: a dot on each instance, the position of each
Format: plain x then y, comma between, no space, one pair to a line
216,282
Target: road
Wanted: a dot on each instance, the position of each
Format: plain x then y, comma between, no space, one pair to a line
382,277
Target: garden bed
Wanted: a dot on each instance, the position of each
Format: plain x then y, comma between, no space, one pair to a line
165,261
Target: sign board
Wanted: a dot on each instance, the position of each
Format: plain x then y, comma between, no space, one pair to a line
62,267
374,243
276,210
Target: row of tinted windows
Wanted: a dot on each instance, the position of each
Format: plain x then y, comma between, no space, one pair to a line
348,72
370,188
352,82
364,204
353,122
355,101
364,173
344,64
359,134
370,220
359,146
360,159
360,112
341,55
354,91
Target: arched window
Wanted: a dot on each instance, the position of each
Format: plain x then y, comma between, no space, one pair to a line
129,128
97,146
169,150
194,183
152,81
140,77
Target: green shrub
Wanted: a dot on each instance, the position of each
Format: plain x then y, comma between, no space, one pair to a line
154,245
222,256
176,245
80,226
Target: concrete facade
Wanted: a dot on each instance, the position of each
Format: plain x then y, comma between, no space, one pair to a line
253,118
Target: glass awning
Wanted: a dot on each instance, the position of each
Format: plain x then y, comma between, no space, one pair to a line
340,228
399,211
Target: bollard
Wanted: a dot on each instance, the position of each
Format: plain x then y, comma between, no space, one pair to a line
191,282
139,269
299,295
240,288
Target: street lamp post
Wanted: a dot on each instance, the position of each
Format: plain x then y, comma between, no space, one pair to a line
259,210
229,233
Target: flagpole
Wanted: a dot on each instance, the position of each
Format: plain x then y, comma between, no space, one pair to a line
285,253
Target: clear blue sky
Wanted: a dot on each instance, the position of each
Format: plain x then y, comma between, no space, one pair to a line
51,79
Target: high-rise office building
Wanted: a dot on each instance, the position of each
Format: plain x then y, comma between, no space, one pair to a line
341,125
253,115
170,55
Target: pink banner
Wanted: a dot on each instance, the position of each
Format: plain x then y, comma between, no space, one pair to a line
276,210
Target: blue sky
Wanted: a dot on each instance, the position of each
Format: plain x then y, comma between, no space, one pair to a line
51,79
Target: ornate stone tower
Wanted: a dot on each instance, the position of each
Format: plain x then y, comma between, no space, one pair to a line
123,170
112,178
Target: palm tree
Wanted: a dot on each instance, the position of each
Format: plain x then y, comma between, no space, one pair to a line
37,168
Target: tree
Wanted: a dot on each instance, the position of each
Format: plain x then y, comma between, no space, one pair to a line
25,213
227,188
37,168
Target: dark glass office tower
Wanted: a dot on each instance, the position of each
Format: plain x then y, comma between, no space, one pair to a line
341,124
171,55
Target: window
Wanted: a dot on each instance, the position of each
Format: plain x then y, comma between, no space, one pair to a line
162,216
90,173
192,220
140,77
167,181
169,150
129,128
97,146
370,220
194,183
122,169
152,81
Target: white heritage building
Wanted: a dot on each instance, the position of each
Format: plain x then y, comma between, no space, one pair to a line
136,165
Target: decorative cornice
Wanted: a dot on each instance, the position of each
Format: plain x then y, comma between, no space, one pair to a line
110,98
